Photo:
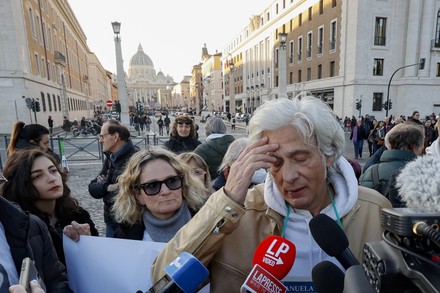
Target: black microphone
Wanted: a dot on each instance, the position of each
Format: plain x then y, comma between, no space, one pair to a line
184,275
332,239
327,277
357,281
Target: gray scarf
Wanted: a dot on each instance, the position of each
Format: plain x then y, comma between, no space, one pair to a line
164,230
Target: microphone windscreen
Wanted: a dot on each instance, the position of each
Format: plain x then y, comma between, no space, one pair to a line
328,278
419,184
327,233
276,255
187,272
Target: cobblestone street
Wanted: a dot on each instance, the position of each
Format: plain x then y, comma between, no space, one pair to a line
79,178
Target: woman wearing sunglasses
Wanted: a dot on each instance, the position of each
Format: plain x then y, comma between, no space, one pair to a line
157,196
183,136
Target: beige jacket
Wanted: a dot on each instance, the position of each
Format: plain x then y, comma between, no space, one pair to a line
224,235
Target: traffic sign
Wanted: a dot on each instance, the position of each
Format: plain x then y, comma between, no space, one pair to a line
109,103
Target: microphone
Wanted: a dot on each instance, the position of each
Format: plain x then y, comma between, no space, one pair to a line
418,187
272,261
184,275
357,281
328,277
332,239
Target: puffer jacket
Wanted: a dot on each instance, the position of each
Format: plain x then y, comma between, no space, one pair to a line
223,235
98,189
27,236
390,161
178,144
213,151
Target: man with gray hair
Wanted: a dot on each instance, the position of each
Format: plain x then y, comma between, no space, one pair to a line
216,144
301,143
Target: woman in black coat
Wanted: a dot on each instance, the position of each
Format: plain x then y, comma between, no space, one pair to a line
183,136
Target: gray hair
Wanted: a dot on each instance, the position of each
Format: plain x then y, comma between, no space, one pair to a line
215,125
313,119
234,150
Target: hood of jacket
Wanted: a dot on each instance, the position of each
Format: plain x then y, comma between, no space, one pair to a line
308,252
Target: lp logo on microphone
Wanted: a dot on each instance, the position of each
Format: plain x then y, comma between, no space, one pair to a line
273,254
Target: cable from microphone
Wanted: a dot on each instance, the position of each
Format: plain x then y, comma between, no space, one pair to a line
272,261
327,277
332,239
423,229
183,275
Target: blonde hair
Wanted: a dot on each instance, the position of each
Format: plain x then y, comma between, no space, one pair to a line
127,209
187,157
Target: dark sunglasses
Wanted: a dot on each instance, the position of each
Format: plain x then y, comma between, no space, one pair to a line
153,188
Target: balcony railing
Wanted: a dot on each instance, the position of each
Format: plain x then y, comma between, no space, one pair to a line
332,44
435,43
309,52
59,58
380,41
320,47
299,56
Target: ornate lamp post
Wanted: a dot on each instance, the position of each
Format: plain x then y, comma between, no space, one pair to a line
231,88
282,66
122,90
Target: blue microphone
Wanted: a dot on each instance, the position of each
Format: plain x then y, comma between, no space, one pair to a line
183,275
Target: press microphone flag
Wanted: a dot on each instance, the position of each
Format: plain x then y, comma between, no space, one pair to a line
272,261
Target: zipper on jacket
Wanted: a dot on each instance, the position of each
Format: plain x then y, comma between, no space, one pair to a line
218,226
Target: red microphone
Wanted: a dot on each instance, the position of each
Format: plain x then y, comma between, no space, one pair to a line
273,259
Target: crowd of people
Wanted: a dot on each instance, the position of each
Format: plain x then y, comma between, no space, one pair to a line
216,199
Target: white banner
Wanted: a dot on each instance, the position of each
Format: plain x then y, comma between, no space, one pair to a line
100,264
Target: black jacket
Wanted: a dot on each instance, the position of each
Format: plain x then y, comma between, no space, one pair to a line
178,144
27,236
111,171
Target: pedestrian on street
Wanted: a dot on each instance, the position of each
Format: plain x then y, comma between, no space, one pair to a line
118,149
233,123
183,136
167,122
160,125
50,123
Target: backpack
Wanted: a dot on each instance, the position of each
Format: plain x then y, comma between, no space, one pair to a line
383,187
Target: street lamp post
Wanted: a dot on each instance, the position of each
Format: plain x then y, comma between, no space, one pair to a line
231,88
122,90
421,65
282,66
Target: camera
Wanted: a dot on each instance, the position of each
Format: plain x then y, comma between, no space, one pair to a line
407,259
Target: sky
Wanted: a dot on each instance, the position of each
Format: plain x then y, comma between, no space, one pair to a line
171,32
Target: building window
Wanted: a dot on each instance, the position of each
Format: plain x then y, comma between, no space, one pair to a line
284,4
49,101
276,81
309,45
299,75
320,39
300,44
31,22
59,102
438,70
276,58
290,77
38,27
321,6
268,16
300,19
43,102
437,31
309,74
332,68
333,35
380,31
378,67
319,71
310,13
37,64
377,101
291,52
276,8
333,3
54,102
